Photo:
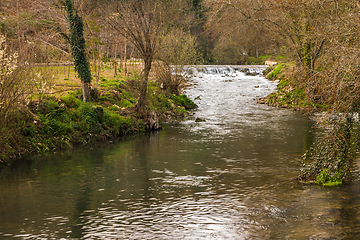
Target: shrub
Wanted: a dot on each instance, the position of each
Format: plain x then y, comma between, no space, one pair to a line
89,118
325,178
184,101
116,124
125,103
14,82
71,101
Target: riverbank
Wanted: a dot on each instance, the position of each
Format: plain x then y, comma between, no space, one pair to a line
288,95
329,161
58,119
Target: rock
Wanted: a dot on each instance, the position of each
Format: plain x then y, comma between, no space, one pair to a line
275,81
251,74
270,63
200,120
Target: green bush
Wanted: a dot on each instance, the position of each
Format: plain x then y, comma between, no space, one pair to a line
159,102
28,131
114,108
89,119
184,101
71,101
117,124
325,179
48,105
255,61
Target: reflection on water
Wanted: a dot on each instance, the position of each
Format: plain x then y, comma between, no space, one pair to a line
227,178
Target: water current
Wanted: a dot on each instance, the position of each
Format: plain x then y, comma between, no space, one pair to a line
230,177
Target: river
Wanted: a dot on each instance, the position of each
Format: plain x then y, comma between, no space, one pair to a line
230,177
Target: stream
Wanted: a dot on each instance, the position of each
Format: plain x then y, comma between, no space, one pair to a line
229,177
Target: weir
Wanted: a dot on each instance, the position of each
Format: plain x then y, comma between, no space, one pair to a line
223,69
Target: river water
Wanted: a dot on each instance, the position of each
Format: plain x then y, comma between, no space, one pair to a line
230,177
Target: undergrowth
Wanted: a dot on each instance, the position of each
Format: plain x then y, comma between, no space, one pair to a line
65,121
288,94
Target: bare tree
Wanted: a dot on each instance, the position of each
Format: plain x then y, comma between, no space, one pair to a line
141,22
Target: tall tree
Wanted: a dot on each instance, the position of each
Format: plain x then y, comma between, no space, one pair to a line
140,22
77,42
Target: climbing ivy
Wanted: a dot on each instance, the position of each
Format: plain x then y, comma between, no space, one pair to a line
77,43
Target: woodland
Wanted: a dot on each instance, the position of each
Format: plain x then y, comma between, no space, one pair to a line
119,54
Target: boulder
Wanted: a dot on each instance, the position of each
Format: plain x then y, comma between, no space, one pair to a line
200,120
270,63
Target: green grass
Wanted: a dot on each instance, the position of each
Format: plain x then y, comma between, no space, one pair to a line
276,73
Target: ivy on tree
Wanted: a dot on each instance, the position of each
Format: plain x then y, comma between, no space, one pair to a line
77,43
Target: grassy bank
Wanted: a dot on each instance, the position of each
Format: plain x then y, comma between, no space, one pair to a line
56,118
289,94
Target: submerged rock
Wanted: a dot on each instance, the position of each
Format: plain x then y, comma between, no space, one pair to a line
200,120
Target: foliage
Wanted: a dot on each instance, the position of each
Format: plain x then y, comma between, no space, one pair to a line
324,178
63,121
9,83
71,101
184,101
178,47
15,83
276,73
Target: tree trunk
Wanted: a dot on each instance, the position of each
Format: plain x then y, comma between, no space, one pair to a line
141,105
86,91
125,58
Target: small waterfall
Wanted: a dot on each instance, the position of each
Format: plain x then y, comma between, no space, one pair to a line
223,69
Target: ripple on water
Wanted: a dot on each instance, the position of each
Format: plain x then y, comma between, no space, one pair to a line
183,218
